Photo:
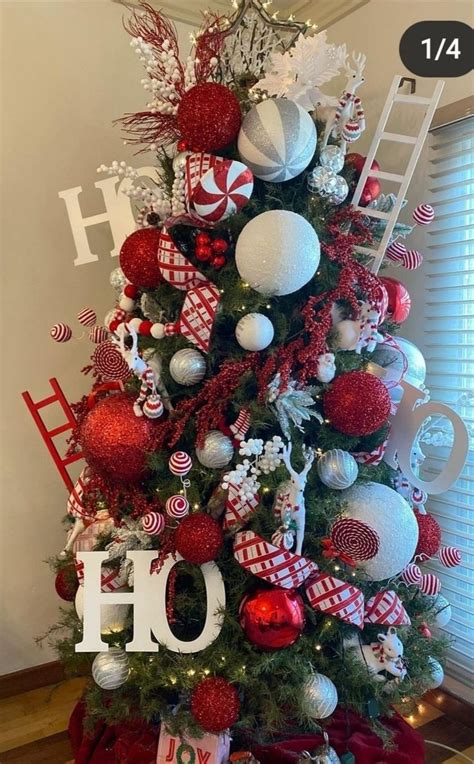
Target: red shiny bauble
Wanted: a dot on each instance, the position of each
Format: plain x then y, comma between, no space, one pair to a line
115,441
424,630
215,704
209,116
203,252
370,191
138,258
429,535
357,161
202,239
66,583
199,538
218,261
357,403
399,300
220,246
272,618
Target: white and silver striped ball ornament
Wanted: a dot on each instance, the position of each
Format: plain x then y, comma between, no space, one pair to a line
254,332
217,450
110,669
277,252
337,469
277,140
118,279
188,366
437,674
442,610
340,192
332,157
322,181
319,697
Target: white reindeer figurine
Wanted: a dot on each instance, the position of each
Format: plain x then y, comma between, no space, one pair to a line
148,401
291,506
384,655
348,121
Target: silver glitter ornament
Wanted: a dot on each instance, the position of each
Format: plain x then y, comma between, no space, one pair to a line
319,697
437,674
117,279
332,158
341,191
217,451
111,669
179,162
188,366
322,181
337,469
322,755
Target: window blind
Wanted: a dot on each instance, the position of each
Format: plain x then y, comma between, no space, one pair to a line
449,352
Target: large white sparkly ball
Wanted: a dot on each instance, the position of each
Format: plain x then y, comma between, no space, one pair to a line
437,674
217,451
277,252
319,696
111,669
337,469
254,332
188,366
442,610
277,140
112,617
392,518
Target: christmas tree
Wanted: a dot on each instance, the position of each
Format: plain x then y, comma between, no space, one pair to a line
236,427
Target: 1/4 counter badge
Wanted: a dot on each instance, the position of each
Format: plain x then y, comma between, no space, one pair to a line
438,48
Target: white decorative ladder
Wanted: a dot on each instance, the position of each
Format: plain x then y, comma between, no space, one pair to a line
417,141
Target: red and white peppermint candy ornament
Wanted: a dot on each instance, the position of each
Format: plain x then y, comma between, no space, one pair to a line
412,574
180,463
153,406
177,506
412,259
61,332
87,317
424,214
351,131
196,166
109,362
153,523
396,252
222,191
98,334
381,301
355,538
430,584
419,497
449,556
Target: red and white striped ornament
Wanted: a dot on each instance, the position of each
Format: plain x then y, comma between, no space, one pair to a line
355,538
338,598
423,214
87,317
271,563
180,463
381,301
418,497
98,334
386,609
177,506
412,574
175,268
412,259
351,131
153,523
222,191
198,313
396,252
241,425
61,332
75,502
237,508
449,556
109,362
153,406
430,584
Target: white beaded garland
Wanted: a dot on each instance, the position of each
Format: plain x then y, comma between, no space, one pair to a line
319,697
110,669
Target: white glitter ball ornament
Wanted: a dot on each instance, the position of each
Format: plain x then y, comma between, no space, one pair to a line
277,252
110,669
217,451
392,518
319,697
337,469
442,610
437,674
254,332
277,140
188,366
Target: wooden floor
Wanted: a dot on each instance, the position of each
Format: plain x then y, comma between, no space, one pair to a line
33,726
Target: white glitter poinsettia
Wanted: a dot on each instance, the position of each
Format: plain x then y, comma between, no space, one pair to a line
300,73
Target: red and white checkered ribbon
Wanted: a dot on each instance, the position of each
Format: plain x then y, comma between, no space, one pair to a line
338,598
237,509
271,563
197,315
111,579
386,609
87,540
175,268
371,457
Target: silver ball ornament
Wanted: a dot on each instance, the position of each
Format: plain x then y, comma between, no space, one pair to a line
337,469
110,669
325,754
340,192
437,674
442,610
322,181
117,279
217,451
319,697
332,158
188,366
179,162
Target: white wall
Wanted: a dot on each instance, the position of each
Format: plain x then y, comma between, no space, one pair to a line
68,71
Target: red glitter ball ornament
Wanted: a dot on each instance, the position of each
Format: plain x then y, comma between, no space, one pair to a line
272,618
357,403
115,441
209,117
215,704
138,258
66,583
429,535
199,538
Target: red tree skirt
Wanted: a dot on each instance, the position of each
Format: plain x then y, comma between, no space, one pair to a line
135,742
